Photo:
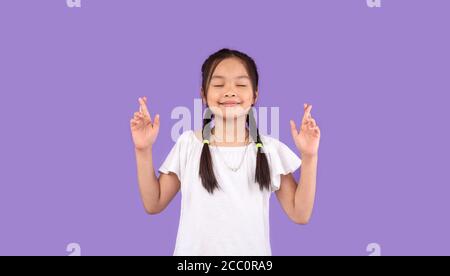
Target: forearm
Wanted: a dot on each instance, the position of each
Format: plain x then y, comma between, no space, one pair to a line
306,188
148,182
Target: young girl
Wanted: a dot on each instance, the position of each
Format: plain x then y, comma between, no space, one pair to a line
227,171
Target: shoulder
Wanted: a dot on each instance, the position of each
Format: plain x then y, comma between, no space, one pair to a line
270,142
197,134
187,137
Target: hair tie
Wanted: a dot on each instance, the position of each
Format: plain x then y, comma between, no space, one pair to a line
259,145
206,141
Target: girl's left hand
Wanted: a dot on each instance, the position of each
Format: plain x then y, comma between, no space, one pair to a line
307,140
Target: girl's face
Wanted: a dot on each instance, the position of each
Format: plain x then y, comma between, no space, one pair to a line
230,92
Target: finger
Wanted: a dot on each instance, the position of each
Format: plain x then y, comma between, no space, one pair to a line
317,131
143,108
308,122
294,131
135,121
138,115
145,102
304,125
307,112
156,122
134,124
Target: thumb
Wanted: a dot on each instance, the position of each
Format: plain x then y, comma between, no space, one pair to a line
294,131
156,121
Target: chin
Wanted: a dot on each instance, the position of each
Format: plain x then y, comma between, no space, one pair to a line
234,111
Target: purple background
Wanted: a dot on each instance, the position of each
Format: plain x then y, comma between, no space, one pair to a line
378,80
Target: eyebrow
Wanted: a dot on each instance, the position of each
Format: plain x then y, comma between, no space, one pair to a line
222,77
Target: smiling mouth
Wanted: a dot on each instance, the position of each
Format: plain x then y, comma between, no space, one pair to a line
229,104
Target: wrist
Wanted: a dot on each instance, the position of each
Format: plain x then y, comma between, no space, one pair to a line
309,157
143,150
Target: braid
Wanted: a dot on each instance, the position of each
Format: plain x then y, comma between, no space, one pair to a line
206,171
262,172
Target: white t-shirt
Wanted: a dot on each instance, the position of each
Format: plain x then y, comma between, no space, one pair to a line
235,219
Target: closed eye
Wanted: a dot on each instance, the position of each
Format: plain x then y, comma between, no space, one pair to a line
218,85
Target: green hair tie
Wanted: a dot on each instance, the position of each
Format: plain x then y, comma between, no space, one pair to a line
206,141
259,145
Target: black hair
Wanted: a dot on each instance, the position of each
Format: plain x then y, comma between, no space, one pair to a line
206,172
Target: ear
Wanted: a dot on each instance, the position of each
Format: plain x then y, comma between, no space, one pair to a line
203,97
255,97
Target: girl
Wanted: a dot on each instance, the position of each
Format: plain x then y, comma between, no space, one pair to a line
227,171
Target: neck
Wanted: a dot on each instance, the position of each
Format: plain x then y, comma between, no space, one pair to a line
230,131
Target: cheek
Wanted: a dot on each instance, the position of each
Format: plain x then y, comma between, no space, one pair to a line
213,96
214,99
247,96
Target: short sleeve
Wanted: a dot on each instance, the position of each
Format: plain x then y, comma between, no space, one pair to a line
283,161
176,159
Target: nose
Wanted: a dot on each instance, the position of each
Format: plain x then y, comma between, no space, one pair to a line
230,94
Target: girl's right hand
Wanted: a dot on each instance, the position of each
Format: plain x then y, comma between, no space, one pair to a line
143,130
